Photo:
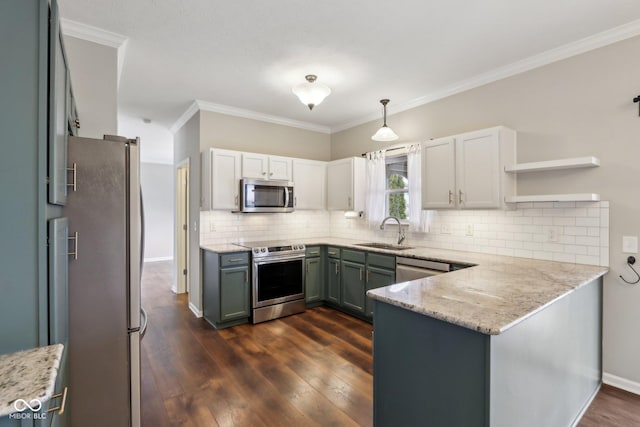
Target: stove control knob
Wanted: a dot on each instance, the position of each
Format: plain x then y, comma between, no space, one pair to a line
294,247
263,249
301,247
256,250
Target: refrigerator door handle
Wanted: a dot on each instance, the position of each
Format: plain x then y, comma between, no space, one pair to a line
143,329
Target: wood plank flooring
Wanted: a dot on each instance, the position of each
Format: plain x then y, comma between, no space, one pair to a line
311,369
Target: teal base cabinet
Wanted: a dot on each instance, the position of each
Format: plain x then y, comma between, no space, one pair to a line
353,286
333,282
226,291
377,278
543,371
314,277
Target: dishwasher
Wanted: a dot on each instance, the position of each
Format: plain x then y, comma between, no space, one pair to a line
412,269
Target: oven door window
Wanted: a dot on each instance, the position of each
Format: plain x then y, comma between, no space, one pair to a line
280,279
265,196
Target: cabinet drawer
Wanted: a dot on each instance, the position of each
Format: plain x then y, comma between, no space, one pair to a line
354,256
333,252
312,251
236,258
384,261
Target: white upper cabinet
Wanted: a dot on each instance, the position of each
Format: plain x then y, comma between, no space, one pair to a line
262,166
467,171
346,184
309,179
438,174
220,183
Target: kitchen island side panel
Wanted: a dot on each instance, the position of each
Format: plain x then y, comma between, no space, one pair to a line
546,369
427,372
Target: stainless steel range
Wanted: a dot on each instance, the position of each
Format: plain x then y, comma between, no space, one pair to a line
278,279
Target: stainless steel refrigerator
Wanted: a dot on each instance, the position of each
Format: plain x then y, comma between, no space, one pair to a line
106,320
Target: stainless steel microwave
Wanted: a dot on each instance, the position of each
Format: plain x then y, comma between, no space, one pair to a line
262,195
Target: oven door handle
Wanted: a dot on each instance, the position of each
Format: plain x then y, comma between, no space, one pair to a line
279,259
286,197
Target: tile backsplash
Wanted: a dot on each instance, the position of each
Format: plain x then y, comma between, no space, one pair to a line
575,232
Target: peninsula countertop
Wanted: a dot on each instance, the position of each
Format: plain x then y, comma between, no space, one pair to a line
492,296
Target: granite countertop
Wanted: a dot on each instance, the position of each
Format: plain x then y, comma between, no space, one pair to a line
223,248
28,375
492,296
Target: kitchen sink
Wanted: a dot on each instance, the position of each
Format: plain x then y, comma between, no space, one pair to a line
385,246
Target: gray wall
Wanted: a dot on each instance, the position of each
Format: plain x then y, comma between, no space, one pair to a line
94,75
158,195
241,134
186,145
576,107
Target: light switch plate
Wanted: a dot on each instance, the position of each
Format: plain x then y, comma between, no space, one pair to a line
630,244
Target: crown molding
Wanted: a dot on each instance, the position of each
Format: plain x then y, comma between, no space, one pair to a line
199,105
92,34
185,117
586,44
99,36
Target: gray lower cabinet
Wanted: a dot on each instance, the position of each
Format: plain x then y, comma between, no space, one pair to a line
353,286
226,292
333,281
377,278
313,275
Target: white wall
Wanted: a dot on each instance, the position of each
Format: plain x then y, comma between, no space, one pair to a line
94,77
576,107
157,182
156,142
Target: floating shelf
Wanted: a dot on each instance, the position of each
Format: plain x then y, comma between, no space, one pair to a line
579,197
573,163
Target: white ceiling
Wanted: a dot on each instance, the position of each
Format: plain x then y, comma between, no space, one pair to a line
248,54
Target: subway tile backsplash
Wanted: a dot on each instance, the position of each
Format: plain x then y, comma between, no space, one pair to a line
576,232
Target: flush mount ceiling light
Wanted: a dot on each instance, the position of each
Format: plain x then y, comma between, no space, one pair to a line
385,133
311,93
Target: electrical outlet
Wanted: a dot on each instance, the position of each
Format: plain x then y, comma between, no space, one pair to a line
445,229
552,234
630,244
469,229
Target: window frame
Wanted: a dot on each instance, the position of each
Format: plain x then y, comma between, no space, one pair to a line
389,191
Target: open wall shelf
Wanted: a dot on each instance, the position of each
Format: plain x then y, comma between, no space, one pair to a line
549,165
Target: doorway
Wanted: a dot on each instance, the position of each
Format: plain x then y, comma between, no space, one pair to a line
182,226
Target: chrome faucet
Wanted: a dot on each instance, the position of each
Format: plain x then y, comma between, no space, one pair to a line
401,235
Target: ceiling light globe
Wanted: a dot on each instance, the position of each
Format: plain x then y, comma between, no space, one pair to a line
311,93
384,134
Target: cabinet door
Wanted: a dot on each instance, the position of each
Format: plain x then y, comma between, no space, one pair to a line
313,279
377,278
309,178
234,293
225,175
255,166
333,280
58,128
340,185
477,169
438,174
353,275
280,168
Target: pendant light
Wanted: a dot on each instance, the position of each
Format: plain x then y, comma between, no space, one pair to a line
385,133
311,93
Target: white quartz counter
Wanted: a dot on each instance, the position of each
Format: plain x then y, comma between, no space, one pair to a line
28,376
490,297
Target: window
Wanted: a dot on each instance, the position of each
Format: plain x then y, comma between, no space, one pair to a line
397,187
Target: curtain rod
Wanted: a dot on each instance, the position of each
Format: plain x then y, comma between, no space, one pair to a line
386,149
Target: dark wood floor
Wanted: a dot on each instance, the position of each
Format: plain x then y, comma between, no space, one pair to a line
309,369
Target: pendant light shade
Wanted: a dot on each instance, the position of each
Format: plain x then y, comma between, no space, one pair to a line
385,133
311,93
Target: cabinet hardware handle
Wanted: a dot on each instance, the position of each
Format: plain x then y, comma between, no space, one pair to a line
367,276
450,197
235,200
349,201
235,260
332,253
74,170
264,173
306,268
270,173
360,270
59,408
75,245
295,201
77,123
314,252
460,193
337,269
246,276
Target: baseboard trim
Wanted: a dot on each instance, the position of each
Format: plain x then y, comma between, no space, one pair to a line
162,258
195,310
622,383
